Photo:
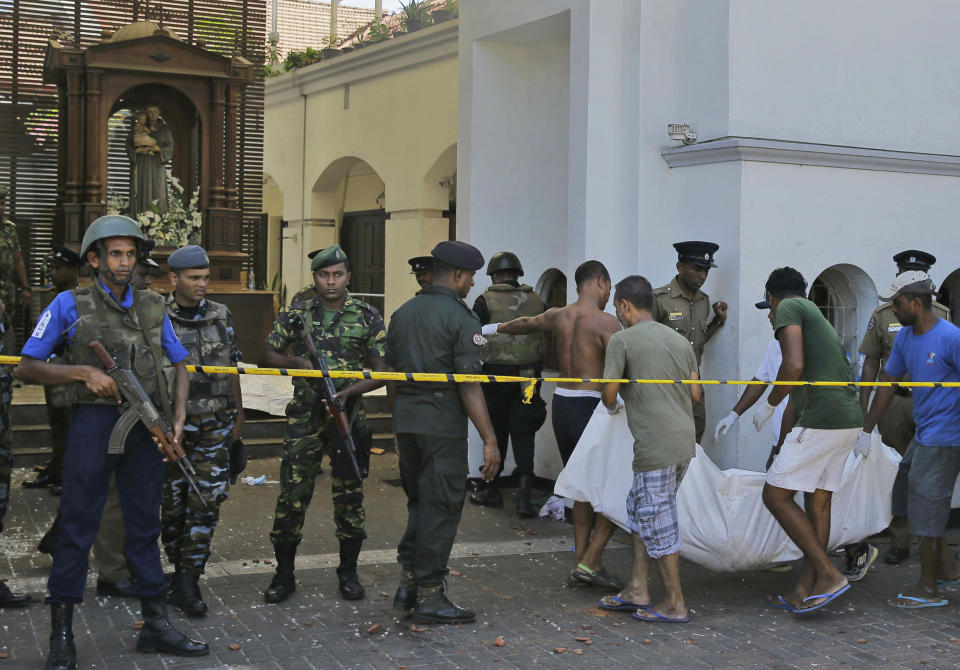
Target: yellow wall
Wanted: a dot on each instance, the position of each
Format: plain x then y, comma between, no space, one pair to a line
400,123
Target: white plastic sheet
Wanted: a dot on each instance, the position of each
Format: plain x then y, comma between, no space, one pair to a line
724,525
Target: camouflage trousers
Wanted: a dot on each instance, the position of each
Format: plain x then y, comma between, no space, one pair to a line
310,434
186,526
6,441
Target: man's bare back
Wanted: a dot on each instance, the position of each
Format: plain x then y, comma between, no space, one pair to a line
582,331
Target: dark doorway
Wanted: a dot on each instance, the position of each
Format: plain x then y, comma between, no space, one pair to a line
362,236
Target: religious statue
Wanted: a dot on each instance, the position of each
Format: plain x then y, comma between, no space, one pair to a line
149,147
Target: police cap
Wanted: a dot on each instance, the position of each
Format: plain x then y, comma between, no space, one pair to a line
326,257
63,256
911,259
421,264
189,257
696,252
458,254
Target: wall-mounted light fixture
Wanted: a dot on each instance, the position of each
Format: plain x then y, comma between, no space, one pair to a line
682,132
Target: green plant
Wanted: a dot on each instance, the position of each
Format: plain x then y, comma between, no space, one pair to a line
180,225
271,71
358,38
277,284
452,6
378,31
414,14
297,59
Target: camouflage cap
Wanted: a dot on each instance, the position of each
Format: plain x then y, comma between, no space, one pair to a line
330,256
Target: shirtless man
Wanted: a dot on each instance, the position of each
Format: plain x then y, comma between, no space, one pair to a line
582,331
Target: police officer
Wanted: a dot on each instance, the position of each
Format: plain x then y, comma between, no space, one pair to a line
7,348
146,268
133,327
514,355
436,332
63,267
214,421
896,424
350,335
421,267
685,308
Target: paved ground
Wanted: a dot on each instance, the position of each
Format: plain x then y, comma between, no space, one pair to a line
511,572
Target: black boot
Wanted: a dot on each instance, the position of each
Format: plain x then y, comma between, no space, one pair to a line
10,599
42,480
488,496
525,509
159,636
63,653
125,588
350,586
49,541
185,593
406,597
283,584
433,606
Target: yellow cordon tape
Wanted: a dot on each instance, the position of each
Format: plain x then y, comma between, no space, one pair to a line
506,379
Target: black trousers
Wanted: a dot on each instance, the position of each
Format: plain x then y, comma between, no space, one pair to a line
515,422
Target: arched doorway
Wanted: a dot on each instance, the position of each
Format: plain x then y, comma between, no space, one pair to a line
949,295
847,297
351,194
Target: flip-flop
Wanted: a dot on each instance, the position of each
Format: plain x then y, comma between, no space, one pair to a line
623,606
920,602
948,582
783,605
830,597
658,618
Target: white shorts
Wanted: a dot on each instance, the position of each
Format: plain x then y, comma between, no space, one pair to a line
812,458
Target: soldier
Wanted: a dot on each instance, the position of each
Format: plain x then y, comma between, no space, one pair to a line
685,308
134,327
421,267
146,268
13,272
214,422
350,335
514,355
896,424
63,266
436,332
7,347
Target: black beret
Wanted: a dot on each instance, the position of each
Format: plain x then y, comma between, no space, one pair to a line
64,256
700,253
458,254
189,257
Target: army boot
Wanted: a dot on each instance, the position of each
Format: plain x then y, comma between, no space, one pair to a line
283,584
488,496
433,606
63,653
159,636
350,586
525,509
185,593
406,597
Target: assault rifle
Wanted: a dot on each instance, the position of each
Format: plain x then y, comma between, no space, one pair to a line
331,402
137,406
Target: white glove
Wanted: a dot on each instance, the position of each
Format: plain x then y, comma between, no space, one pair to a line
615,410
489,329
725,424
863,444
762,415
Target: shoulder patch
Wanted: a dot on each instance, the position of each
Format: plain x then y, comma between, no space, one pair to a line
42,324
479,340
872,324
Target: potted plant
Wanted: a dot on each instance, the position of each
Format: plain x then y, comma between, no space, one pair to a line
358,40
414,14
331,50
378,32
446,12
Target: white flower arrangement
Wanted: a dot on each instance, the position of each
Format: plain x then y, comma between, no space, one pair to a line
180,225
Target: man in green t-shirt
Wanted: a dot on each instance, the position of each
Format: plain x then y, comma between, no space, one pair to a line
825,421
660,417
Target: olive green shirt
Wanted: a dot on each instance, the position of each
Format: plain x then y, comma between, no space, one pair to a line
690,318
824,359
434,331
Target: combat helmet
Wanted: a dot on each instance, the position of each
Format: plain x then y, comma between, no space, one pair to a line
504,260
111,225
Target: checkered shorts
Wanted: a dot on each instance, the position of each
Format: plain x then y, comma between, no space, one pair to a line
652,509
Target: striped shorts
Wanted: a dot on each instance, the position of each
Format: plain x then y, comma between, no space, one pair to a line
652,509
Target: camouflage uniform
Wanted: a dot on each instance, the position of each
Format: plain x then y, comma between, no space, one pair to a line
355,334
186,525
9,248
6,443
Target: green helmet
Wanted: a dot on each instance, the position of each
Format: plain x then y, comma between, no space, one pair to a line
504,260
112,225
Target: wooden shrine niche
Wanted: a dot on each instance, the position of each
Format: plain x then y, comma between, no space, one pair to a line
197,93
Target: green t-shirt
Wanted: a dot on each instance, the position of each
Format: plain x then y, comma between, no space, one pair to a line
660,416
824,359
